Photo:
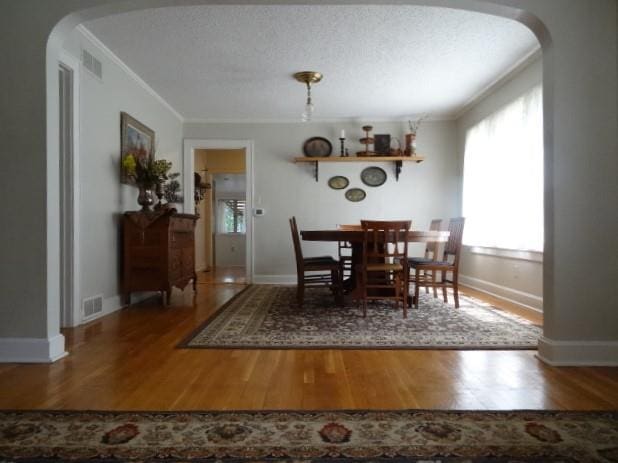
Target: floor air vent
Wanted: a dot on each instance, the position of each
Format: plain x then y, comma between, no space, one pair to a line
92,306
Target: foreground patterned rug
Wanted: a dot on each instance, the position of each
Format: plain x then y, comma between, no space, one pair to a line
266,317
338,436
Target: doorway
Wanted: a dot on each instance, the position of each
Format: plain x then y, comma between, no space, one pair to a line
221,190
68,115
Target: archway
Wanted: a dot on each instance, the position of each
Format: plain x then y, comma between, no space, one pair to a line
65,25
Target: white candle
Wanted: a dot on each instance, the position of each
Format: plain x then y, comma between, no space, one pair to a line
342,134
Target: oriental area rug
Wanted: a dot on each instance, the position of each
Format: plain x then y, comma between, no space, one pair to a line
309,437
267,317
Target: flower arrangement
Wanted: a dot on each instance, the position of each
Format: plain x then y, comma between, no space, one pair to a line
148,174
414,125
145,172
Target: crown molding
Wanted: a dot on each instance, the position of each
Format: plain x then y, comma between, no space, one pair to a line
122,65
499,80
326,120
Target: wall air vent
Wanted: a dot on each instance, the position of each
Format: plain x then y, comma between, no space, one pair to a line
92,64
92,306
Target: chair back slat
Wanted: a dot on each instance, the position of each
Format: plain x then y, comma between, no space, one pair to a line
379,234
453,245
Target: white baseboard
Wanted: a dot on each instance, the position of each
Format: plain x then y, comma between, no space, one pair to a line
526,300
32,350
578,353
274,279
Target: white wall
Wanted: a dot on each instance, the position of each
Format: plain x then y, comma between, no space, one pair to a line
516,279
285,189
103,199
230,249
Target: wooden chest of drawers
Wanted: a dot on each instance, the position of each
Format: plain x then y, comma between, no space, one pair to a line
159,251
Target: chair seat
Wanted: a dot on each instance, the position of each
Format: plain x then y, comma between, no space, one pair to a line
384,267
419,260
321,264
431,263
319,259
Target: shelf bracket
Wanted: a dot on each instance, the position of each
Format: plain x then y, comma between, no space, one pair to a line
398,166
316,167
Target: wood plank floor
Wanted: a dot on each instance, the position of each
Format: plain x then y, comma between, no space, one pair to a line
129,361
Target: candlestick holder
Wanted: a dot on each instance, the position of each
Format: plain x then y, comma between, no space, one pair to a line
342,141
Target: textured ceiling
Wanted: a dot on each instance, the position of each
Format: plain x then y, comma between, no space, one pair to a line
236,62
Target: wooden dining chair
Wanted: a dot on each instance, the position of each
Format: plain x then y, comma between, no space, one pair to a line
424,273
384,269
315,271
431,254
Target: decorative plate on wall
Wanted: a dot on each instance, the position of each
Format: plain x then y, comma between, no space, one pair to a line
338,182
355,195
317,147
373,176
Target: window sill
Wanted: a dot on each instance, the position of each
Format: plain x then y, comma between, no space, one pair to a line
531,256
231,234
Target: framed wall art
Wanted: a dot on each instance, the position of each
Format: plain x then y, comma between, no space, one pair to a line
136,139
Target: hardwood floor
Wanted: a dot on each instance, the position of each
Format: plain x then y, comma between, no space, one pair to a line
129,361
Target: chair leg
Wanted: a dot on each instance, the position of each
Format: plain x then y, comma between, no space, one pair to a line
397,279
456,290
426,287
444,287
433,282
416,287
339,274
362,281
404,301
300,294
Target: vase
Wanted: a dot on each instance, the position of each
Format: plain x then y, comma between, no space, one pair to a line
159,193
410,149
145,198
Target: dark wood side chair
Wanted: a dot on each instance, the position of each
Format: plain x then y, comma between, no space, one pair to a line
425,272
384,269
315,271
431,254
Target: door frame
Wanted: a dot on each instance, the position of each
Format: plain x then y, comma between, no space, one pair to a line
188,162
70,314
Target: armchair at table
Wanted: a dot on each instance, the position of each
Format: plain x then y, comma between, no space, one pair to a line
315,271
424,272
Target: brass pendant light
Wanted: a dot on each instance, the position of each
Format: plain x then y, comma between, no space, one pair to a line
308,78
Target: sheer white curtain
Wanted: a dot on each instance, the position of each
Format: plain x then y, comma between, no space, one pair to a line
503,177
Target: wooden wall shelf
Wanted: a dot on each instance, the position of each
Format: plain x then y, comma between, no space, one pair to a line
397,160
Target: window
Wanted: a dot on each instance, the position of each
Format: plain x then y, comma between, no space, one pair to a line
231,215
503,177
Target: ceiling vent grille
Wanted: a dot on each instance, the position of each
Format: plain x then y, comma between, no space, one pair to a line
92,64
92,306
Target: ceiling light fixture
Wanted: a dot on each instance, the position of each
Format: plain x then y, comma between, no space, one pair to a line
308,78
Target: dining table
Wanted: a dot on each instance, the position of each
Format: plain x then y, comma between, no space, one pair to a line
354,235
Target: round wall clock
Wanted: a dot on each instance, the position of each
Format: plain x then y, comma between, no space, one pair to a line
373,176
338,182
355,195
317,147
